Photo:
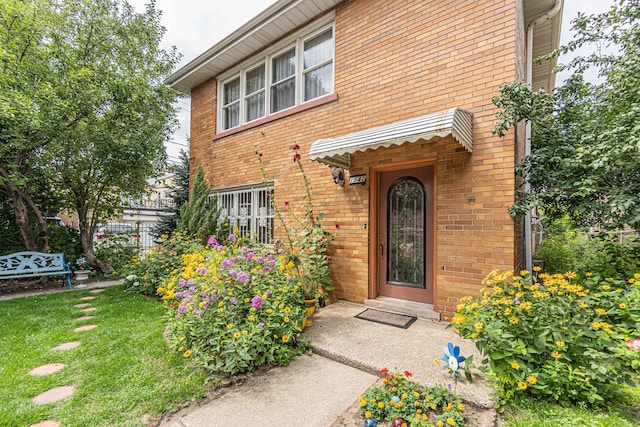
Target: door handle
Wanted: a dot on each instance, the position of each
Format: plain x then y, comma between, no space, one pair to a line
381,248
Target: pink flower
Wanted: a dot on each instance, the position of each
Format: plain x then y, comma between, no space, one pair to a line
337,226
408,374
296,157
286,204
295,147
634,344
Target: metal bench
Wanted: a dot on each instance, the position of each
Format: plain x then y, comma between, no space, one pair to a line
23,265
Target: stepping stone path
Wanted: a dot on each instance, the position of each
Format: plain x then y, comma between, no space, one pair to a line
67,346
46,369
85,328
46,424
58,393
54,394
96,291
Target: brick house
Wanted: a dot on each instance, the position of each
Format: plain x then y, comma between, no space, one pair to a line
395,95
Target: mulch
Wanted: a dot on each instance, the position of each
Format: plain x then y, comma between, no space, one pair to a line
18,286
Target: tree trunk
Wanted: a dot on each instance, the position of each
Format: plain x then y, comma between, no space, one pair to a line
86,238
21,204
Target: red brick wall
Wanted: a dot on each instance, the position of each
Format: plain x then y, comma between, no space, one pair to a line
396,60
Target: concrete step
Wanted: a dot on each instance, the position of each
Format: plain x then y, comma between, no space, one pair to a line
410,308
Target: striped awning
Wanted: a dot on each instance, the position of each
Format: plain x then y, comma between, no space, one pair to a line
337,151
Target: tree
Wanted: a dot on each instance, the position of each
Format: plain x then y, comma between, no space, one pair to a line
179,194
199,216
585,159
85,103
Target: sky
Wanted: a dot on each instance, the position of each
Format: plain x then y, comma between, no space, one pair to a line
193,26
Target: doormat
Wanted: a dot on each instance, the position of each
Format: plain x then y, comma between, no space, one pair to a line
386,318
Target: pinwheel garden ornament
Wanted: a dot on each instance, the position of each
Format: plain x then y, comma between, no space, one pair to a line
453,362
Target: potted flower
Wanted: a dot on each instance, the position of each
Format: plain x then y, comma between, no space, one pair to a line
82,270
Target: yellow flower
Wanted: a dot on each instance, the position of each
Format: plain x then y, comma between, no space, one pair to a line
380,405
513,320
622,305
522,385
247,300
556,355
251,318
601,311
367,414
363,402
440,423
451,421
245,332
524,272
285,339
237,335
187,353
230,325
515,365
478,326
560,343
531,379
537,268
606,287
461,407
286,319
287,309
571,275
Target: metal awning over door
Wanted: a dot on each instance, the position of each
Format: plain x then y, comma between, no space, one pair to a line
337,151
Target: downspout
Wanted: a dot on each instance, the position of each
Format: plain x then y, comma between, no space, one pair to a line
528,237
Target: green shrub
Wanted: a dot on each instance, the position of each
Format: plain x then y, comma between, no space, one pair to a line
418,406
233,308
146,274
553,337
117,251
66,240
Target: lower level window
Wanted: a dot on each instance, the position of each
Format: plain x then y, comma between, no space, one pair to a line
249,210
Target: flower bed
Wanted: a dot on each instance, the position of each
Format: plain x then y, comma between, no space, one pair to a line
233,308
553,336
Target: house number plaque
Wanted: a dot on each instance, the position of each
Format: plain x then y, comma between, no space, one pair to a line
357,179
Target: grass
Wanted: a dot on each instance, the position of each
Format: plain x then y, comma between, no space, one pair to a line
622,411
123,371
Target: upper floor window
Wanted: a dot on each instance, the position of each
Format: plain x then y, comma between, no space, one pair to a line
296,71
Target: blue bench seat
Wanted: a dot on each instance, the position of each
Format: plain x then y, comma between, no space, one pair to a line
24,265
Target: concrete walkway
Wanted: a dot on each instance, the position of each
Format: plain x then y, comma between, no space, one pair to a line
348,355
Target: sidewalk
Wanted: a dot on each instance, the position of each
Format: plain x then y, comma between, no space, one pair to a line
91,285
322,390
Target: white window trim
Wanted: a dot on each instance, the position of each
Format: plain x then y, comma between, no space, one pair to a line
253,216
265,57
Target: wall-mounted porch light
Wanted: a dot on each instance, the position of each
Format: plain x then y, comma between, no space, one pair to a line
338,175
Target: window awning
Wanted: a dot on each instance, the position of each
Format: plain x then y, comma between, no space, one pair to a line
337,151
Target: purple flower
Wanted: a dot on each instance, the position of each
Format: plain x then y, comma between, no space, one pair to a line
202,270
516,300
212,241
257,302
243,277
232,273
244,250
232,237
182,282
266,270
233,301
251,256
268,292
182,309
192,288
278,241
260,259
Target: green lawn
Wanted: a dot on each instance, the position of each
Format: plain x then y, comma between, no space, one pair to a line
622,411
123,371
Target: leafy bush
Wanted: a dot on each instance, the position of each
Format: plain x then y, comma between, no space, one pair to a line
146,274
553,337
233,308
118,252
418,406
67,241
